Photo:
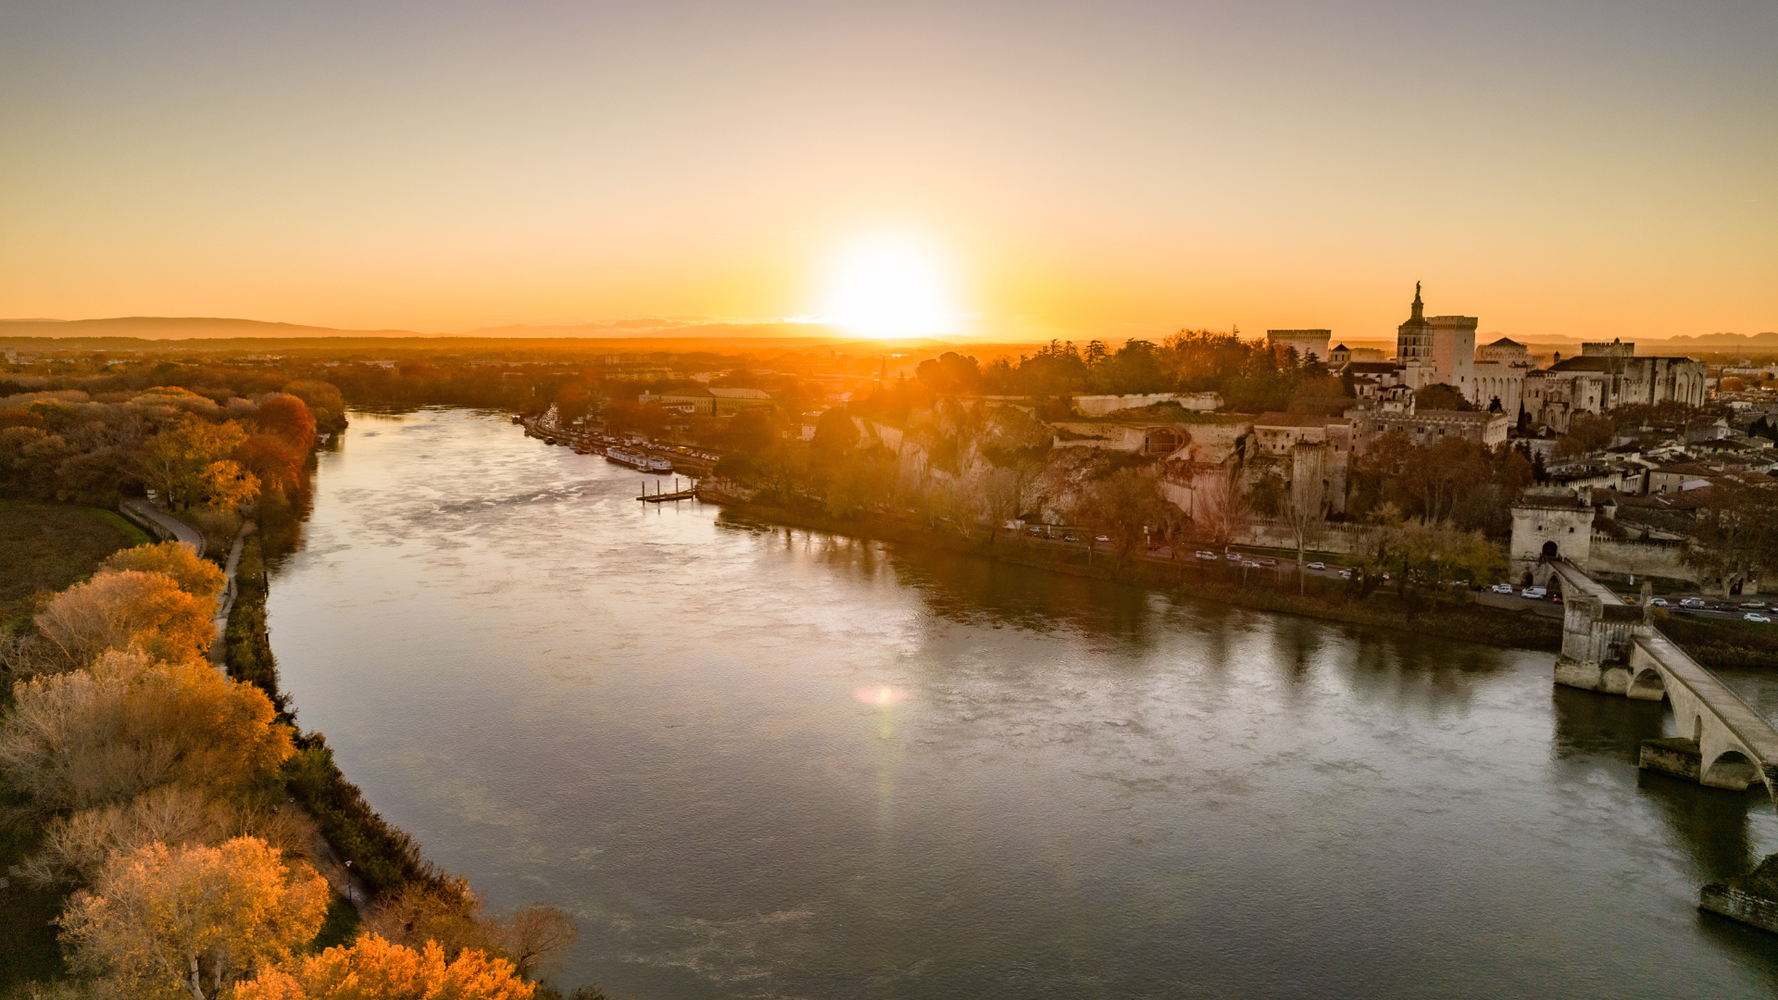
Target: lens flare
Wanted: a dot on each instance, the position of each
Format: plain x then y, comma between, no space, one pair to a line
884,695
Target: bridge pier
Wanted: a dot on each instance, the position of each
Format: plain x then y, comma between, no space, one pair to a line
1610,647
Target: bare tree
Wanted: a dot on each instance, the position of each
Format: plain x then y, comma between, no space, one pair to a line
1220,508
537,938
1305,501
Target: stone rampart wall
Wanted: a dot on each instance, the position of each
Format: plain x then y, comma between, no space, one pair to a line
1622,557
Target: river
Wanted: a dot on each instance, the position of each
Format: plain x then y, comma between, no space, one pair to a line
755,762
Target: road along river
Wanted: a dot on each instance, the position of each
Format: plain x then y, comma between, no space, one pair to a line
766,763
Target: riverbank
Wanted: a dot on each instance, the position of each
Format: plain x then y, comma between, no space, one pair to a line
1449,620
373,857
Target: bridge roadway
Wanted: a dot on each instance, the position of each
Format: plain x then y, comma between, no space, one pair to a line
1612,647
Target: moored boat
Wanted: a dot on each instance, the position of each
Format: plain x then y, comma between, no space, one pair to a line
637,460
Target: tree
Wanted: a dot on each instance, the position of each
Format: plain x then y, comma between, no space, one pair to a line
950,373
1219,508
198,577
1304,505
89,737
1124,505
1736,535
1440,396
372,968
78,845
859,480
1587,432
190,465
287,418
997,493
128,609
162,920
271,461
536,937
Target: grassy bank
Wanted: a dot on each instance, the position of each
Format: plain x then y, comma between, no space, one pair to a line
1325,599
1717,643
45,547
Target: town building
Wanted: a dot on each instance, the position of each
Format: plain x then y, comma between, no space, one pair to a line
707,402
1505,351
1396,411
1609,375
1308,344
1313,445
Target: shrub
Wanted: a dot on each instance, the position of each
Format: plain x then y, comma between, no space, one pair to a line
127,609
195,576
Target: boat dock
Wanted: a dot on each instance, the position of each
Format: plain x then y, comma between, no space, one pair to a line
661,496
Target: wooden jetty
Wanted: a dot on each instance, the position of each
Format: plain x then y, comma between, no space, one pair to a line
661,496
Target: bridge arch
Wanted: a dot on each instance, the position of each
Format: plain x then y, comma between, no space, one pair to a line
1730,769
1648,685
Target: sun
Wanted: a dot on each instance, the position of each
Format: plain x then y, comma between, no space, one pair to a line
890,286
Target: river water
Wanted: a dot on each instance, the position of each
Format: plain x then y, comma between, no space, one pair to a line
764,763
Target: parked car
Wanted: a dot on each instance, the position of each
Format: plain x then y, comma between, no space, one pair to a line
1204,554
1754,606
1101,538
1657,602
1268,561
1345,574
1317,565
1535,593
1070,538
1249,564
1755,617
1502,588
1693,602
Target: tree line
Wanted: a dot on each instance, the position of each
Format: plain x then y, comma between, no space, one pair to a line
158,786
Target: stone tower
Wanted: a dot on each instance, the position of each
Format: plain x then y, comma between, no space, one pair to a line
1414,345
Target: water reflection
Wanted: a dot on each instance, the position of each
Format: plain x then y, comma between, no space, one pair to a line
675,723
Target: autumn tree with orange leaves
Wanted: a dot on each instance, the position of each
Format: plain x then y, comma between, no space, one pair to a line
372,968
192,921
194,575
192,465
129,724
128,609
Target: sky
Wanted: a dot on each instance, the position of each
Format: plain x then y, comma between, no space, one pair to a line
1559,168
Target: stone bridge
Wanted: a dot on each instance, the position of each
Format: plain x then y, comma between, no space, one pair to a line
1614,648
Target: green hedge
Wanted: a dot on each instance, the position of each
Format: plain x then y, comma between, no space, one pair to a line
246,639
383,855
1717,643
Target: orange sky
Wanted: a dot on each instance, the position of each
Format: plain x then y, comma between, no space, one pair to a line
1559,169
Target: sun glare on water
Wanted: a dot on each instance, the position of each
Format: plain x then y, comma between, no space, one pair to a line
890,287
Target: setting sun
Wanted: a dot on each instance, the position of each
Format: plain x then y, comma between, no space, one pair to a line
890,287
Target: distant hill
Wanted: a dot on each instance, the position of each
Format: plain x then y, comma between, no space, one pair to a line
1768,339
213,328
178,328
